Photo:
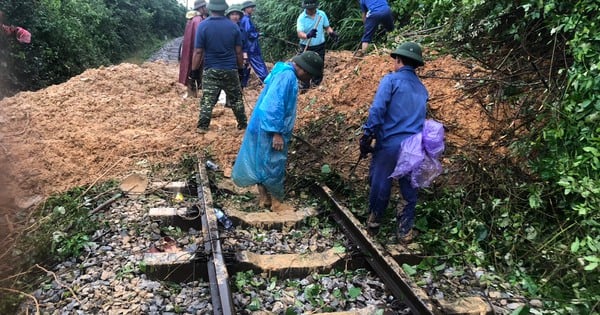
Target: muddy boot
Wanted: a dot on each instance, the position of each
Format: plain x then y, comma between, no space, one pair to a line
280,206
264,198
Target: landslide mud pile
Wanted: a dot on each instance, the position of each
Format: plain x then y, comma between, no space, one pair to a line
111,121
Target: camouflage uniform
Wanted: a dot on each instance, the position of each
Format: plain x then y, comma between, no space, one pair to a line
213,81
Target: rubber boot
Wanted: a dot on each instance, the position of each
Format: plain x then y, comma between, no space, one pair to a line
280,206
264,198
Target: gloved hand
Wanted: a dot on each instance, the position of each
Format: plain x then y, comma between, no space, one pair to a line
334,36
195,75
365,145
312,33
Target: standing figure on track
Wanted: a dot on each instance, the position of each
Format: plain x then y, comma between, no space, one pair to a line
218,46
263,154
374,13
311,26
252,48
397,112
187,49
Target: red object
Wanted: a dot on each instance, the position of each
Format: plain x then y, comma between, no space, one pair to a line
23,36
187,49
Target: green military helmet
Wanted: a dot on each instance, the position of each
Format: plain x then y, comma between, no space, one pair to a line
217,5
248,4
310,4
234,8
310,62
411,51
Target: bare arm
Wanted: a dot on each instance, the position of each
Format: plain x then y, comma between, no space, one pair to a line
239,55
198,58
302,35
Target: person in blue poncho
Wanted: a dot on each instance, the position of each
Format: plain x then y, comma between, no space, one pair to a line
398,111
263,154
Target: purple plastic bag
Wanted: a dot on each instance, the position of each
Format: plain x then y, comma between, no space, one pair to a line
419,155
433,138
410,157
429,169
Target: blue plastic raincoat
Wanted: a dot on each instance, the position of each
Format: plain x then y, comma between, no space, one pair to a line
275,112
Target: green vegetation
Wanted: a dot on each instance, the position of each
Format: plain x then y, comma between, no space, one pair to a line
70,36
63,228
531,216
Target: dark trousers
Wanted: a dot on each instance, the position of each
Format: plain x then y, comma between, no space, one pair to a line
382,166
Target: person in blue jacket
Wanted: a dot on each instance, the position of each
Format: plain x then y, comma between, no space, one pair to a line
262,157
398,111
374,12
252,46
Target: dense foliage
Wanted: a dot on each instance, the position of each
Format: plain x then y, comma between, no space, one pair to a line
533,216
69,36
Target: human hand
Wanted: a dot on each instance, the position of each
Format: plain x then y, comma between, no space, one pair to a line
334,36
365,146
312,33
277,142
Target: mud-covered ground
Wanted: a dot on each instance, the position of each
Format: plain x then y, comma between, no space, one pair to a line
109,122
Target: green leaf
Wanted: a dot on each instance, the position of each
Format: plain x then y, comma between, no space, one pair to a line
255,305
354,292
325,169
522,310
592,150
59,210
410,270
575,246
337,293
591,266
272,284
339,249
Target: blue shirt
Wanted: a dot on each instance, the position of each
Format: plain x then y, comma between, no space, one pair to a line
398,109
373,6
305,23
218,36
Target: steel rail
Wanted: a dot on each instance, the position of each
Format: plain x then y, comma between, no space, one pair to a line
384,265
218,276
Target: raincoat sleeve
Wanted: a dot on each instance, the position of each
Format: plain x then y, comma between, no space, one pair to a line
378,107
249,28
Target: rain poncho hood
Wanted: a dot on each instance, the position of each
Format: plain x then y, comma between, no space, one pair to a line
275,112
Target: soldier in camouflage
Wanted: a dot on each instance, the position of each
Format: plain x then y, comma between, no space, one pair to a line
218,47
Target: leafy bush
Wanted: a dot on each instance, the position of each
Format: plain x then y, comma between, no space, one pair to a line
69,37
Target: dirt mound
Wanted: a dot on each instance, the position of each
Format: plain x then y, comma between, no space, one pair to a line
111,121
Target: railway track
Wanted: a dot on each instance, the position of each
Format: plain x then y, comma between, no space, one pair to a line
224,259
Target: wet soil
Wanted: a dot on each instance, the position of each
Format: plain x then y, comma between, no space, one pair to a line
109,122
